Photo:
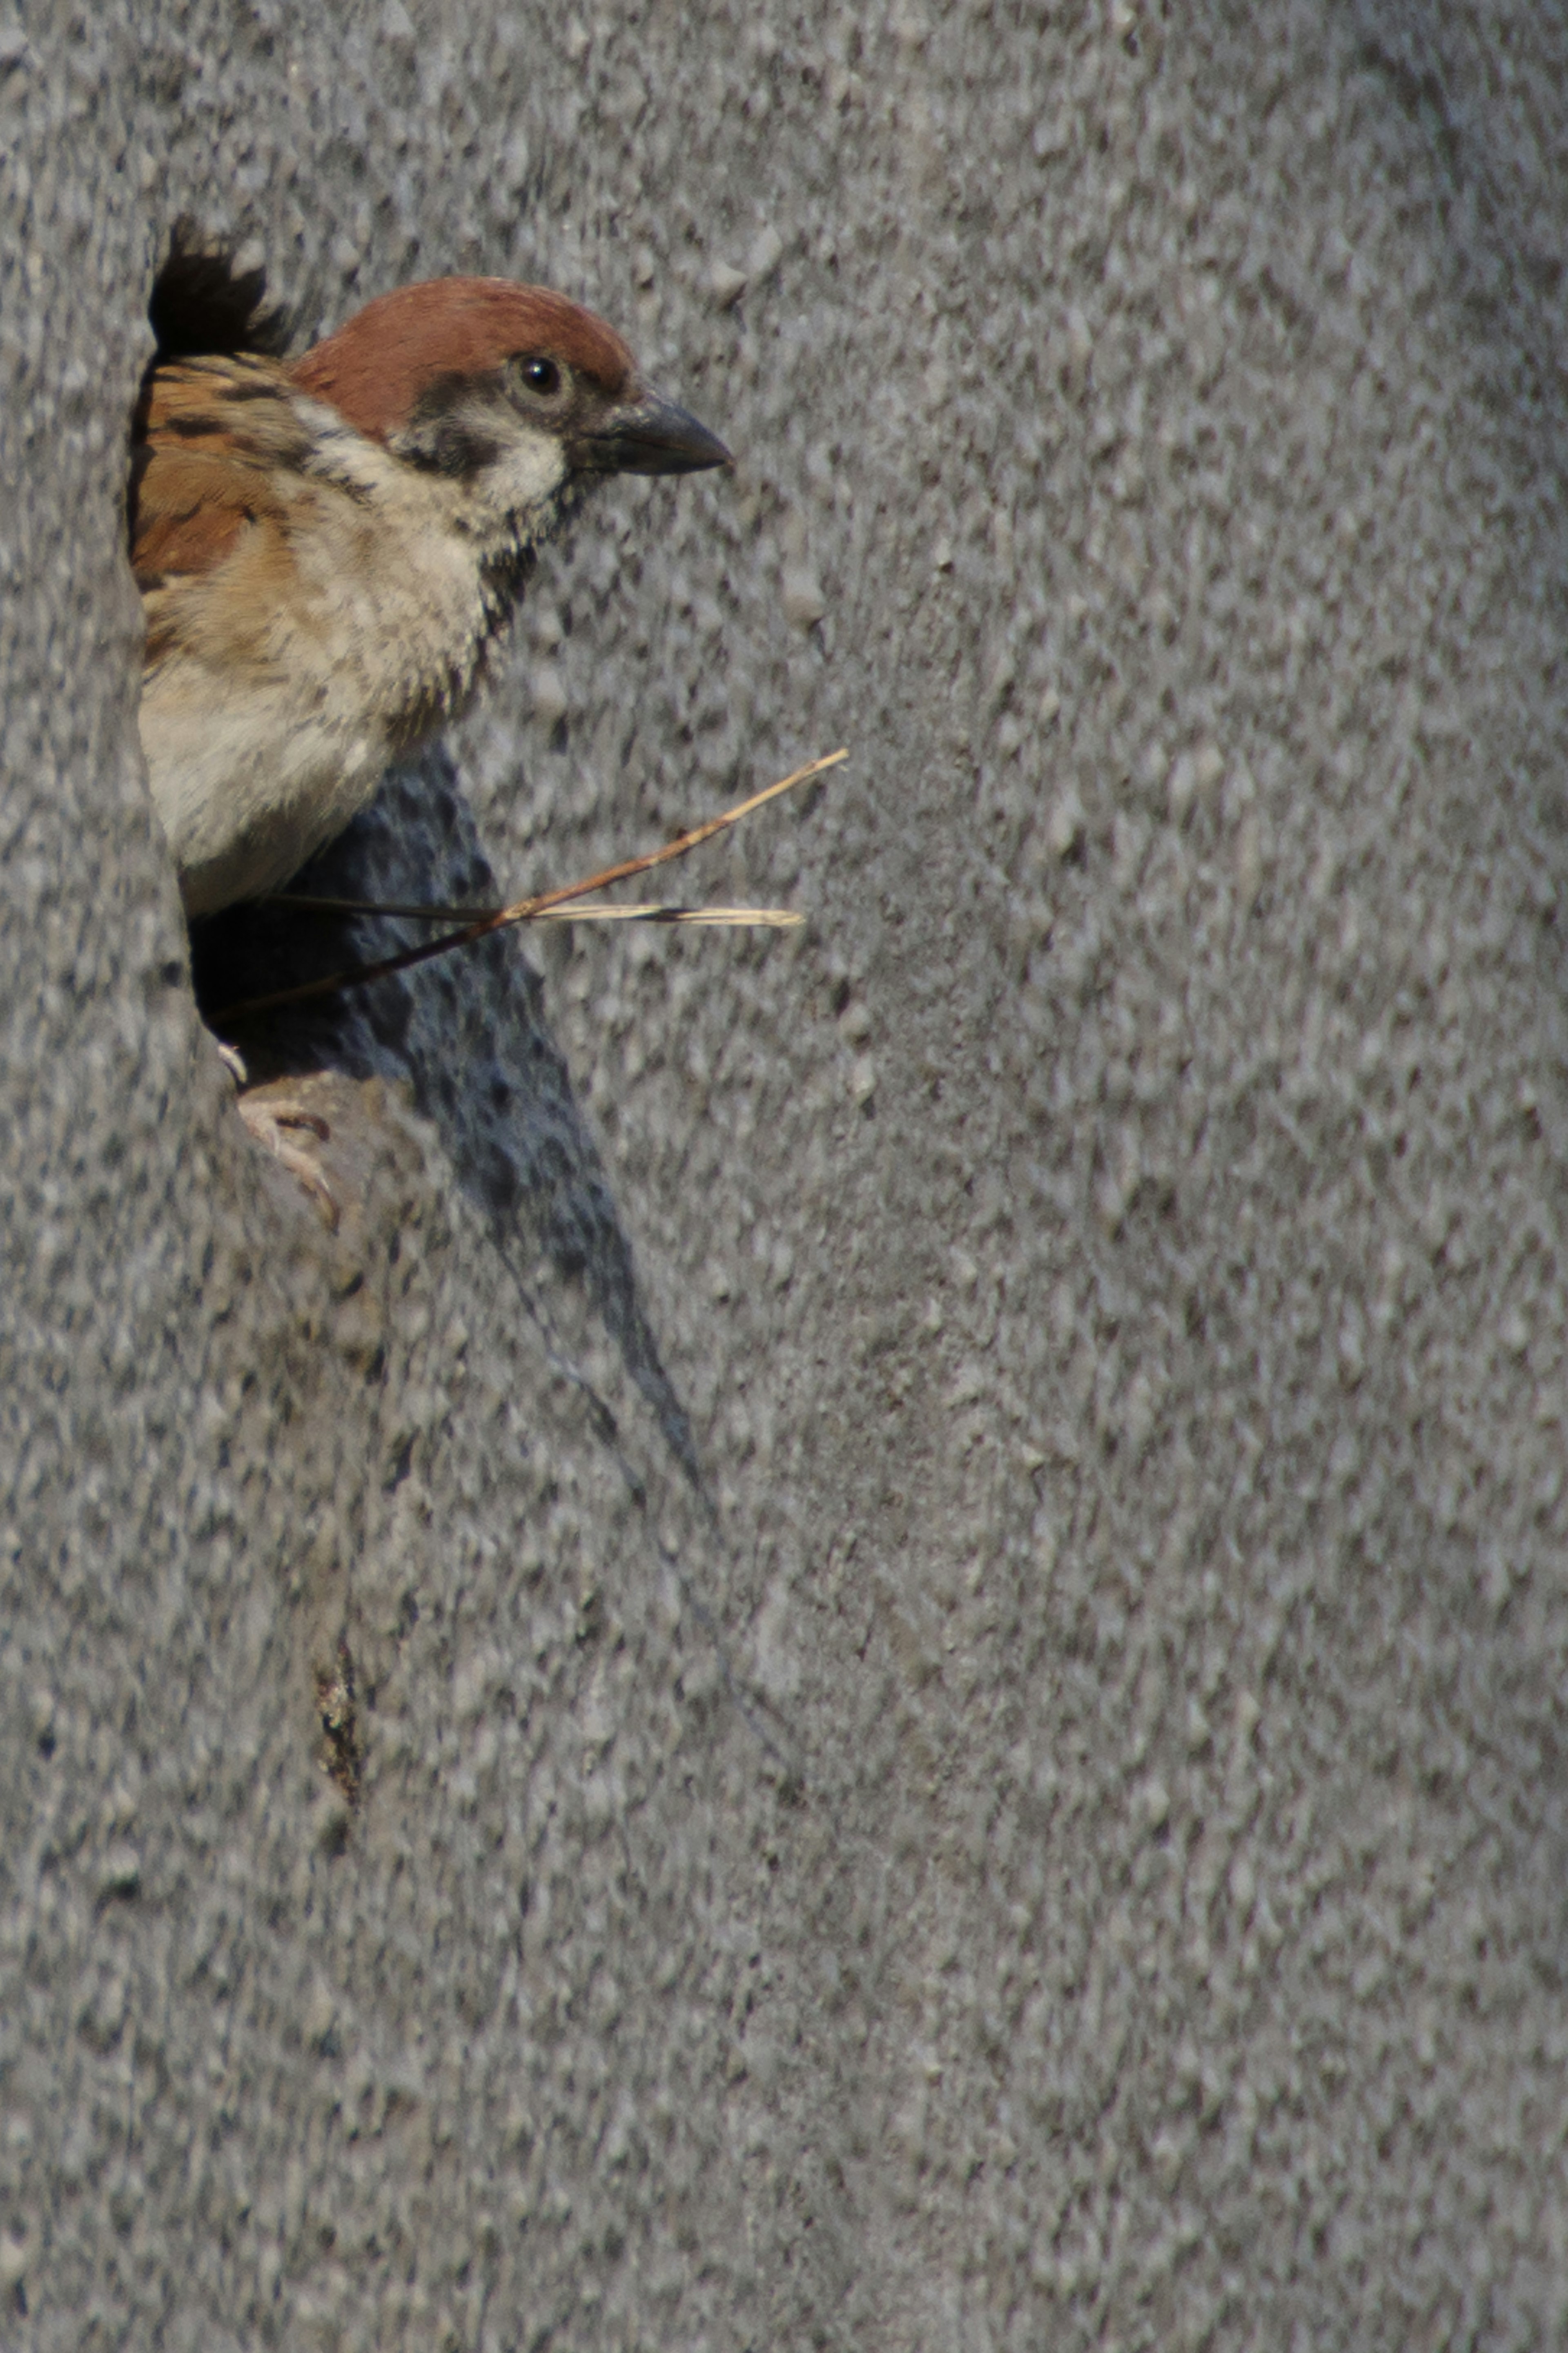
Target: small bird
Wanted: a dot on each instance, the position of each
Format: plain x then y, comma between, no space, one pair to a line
327,548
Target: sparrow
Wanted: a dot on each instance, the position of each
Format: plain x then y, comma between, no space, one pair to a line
328,547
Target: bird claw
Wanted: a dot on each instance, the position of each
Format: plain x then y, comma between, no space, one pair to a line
268,1122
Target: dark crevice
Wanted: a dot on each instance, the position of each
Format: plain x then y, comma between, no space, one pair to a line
468,1035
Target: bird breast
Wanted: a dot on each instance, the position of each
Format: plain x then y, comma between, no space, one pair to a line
343,619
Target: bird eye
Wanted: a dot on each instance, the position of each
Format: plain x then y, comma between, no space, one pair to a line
541,376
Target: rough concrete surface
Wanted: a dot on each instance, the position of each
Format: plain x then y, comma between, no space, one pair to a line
1054,1835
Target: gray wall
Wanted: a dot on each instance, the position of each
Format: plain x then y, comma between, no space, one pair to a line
1059,1837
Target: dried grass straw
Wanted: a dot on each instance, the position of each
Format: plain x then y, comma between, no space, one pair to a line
543,905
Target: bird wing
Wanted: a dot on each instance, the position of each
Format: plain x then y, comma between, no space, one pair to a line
215,445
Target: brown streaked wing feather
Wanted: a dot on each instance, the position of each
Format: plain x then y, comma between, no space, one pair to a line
206,440
190,510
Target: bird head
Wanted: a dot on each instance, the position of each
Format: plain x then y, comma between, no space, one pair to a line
515,395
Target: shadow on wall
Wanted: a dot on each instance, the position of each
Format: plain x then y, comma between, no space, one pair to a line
1494,121
468,1034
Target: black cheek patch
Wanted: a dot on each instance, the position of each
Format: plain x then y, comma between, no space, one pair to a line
444,436
448,444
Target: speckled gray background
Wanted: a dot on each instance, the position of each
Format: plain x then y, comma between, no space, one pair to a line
1106,1883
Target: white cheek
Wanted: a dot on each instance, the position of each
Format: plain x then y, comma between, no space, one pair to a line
531,474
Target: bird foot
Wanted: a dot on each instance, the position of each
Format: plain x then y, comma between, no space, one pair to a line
274,1123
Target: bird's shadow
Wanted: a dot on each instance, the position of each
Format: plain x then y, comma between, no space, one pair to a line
467,1033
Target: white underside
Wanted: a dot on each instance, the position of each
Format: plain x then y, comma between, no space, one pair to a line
250,786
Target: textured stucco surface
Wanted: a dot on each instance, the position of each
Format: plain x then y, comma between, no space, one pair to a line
1106,1883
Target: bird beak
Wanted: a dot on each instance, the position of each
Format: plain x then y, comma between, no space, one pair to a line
649,436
